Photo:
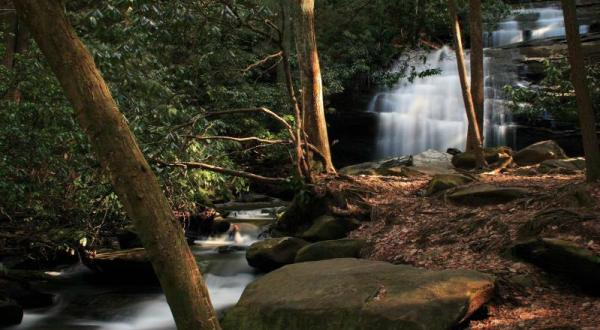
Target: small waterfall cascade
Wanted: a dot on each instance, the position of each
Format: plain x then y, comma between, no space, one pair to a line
429,113
529,24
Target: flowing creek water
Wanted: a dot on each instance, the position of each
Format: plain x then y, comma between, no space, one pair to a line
85,305
429,112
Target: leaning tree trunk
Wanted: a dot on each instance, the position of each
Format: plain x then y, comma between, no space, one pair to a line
473,132
117,150
587,119
477,74
310,74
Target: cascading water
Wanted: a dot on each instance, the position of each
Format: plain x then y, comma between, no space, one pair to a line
429,112
121,307
529,24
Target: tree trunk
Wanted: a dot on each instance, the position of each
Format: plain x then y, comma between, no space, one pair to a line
310,74
302,165
16,42
117,150
587,119
473,132
477,74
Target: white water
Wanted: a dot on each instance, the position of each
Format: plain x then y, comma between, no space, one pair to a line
529,24
143,308
429,113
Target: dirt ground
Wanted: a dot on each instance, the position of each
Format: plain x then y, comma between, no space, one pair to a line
430,232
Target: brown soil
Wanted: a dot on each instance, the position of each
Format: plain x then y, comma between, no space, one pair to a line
430,232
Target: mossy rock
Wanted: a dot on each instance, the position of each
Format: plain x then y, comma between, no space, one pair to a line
466,160
327,227
564,258
24,295
341,248
306,206
270,254
539,152
377,168
443,182
544,219
485,194
354,294
563,166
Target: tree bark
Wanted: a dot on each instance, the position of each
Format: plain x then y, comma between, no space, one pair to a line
473,132
117,150
310,74
477,74
302,165
587,118
16,42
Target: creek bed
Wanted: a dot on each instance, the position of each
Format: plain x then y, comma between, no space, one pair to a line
86,305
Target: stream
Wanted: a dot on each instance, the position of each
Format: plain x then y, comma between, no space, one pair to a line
82,304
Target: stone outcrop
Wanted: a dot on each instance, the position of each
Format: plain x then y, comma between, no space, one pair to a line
485,194
327,227
539,152
270,254
359,294
341,248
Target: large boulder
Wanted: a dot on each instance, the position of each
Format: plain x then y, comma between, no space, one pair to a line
24,294
549,218
11,313
306,206
270,254
563,166
378,167
327,227
467,160
122,266
359,294
539,152
562,258
341,248
485,194
443,182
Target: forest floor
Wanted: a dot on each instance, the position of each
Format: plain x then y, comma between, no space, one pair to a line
430,232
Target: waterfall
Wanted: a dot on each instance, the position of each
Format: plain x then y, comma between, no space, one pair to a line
429,113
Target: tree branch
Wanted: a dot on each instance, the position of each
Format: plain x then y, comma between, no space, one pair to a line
222,170
244,139
262,61
260,109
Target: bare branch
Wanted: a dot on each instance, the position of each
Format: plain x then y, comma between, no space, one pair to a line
260,109
236,139
222,170
263,61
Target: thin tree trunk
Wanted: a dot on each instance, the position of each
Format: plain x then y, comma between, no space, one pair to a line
473,132
117,150
310,74
477,74
16,42
587,119
302,165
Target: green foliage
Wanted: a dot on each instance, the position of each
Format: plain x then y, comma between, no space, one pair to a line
555,95
167,64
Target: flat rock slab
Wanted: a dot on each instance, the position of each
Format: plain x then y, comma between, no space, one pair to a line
359,294
563,258
485,194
